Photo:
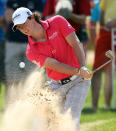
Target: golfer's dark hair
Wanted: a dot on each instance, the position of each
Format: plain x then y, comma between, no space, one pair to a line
36,16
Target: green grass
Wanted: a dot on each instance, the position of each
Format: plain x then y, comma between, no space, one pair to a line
2,95
100,119
107,125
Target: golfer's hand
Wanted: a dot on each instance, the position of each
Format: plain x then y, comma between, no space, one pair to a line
85,73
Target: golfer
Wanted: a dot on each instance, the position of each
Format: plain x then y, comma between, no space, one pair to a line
54,46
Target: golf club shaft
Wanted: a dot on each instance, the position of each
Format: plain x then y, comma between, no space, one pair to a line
100,67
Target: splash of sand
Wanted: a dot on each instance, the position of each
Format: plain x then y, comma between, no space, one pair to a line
32,107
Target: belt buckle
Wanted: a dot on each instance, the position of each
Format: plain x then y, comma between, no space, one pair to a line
65,81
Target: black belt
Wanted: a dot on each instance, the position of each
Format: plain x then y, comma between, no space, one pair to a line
67,80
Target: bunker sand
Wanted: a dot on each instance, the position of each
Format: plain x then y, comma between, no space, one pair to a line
32,107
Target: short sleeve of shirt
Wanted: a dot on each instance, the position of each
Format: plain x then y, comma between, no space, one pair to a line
102,5
63,25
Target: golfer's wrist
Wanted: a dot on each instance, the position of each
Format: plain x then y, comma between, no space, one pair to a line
83,68
77,71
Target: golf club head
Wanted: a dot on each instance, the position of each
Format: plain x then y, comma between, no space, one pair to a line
109,54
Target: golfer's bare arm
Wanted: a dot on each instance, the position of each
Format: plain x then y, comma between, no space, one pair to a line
53,64
74,42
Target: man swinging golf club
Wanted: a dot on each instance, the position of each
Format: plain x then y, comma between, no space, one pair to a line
54,46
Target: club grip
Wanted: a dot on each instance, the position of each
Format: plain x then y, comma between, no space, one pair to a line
91,73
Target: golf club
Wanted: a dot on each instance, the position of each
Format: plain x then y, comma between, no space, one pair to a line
108,54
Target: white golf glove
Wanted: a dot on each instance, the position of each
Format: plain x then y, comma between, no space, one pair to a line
85,73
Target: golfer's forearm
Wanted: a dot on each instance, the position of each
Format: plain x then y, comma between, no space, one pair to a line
60,67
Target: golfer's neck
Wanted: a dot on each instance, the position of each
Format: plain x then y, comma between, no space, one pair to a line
39,34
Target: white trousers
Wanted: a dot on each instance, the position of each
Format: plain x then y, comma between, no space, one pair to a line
74,95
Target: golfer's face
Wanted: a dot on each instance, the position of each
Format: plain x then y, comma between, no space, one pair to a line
26,28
